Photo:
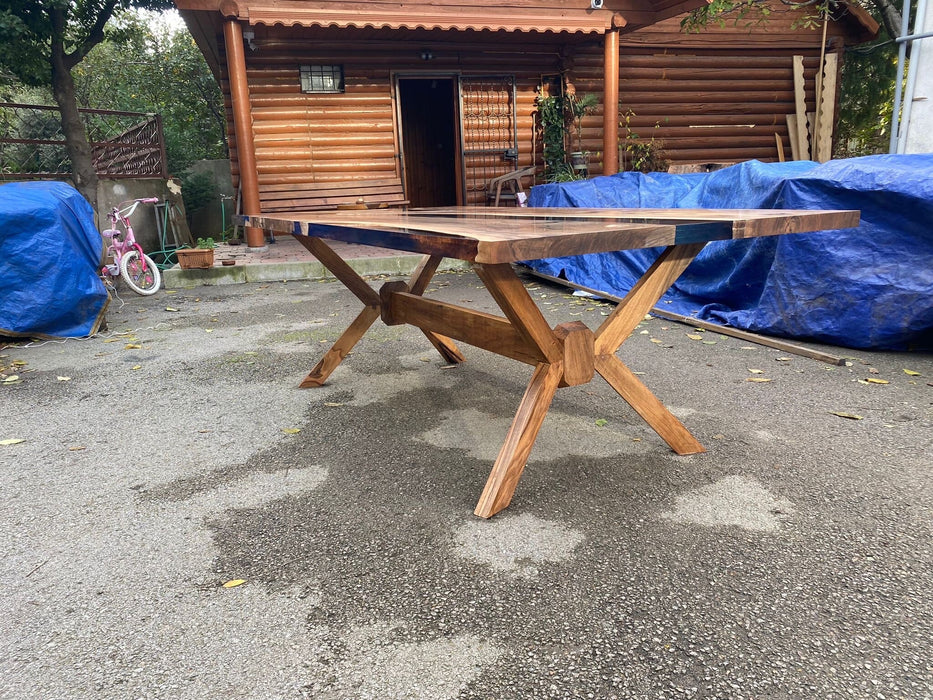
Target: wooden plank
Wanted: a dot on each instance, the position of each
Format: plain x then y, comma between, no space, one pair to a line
780,147
510,463
647,405
329,187
826,109
776,343
645,294
579,350
793,136
476,328
340,349
803,144
494,236
509,292
341,270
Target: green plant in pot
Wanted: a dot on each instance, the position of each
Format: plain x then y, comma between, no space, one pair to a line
553,132
201,256
577,108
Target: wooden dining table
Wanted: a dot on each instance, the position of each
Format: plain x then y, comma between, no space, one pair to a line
491,240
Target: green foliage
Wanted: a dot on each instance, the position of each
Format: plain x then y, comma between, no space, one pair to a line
866,102
553,133
577,108
198,190
205,243
145,66
30,30
751,12
557,114
641,155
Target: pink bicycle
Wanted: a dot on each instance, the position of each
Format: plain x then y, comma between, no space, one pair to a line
129,261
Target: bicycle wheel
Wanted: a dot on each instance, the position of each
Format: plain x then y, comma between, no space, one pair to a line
142,281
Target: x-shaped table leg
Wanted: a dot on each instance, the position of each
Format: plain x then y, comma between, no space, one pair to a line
361,289
571,353
620,324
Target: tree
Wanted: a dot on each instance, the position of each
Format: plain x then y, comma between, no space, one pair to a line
148,65
42,41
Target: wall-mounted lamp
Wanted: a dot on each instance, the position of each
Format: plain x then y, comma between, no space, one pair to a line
248,36
426,55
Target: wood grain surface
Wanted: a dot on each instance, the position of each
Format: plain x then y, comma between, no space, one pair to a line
508,235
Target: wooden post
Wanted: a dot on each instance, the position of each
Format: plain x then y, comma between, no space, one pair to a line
611,103
243,127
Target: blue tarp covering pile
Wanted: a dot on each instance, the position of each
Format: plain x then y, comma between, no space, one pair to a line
50,252
870,287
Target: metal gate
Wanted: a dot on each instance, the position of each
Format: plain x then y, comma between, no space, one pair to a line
488,137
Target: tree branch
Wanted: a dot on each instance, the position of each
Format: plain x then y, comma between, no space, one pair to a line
94,36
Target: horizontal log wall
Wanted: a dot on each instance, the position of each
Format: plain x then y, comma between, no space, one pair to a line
720,96
316,138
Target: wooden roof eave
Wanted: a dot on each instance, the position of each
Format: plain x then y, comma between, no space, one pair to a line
492,17
486,19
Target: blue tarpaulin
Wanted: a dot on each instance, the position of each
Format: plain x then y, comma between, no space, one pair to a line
50,253
868,287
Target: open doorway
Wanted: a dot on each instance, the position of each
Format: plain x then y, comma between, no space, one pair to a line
430,148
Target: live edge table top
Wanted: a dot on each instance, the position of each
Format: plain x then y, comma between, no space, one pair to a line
490,236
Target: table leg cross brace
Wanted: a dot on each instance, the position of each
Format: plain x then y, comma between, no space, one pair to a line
566,355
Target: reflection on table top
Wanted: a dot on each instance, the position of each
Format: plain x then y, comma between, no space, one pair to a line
488,235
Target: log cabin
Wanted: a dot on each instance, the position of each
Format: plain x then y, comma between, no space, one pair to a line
423,103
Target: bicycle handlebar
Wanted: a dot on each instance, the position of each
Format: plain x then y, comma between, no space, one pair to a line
127,212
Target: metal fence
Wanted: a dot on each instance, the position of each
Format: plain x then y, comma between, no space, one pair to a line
123,144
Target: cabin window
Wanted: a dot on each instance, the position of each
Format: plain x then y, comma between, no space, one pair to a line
321,78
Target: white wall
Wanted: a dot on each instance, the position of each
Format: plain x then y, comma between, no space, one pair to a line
920,128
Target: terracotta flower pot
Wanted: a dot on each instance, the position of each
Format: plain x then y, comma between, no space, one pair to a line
195,258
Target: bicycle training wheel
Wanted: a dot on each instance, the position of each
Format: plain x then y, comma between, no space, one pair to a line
141,281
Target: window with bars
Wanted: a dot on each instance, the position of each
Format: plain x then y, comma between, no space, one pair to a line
322,78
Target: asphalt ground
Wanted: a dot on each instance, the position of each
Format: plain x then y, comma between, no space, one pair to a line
174,454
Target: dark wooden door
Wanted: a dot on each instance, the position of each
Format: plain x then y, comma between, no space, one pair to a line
429,140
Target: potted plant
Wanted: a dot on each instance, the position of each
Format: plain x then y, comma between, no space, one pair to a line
200,257
577,108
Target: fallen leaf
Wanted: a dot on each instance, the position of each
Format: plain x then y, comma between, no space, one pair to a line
11,441
136,367
170,308
77,448
132,346
694,336
234,583
655,340
332,403
171,291
63,379
873,380
709,342
600,422
872,370
12,379
757,371
850,416
291,431
758,379
782,359
908,372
